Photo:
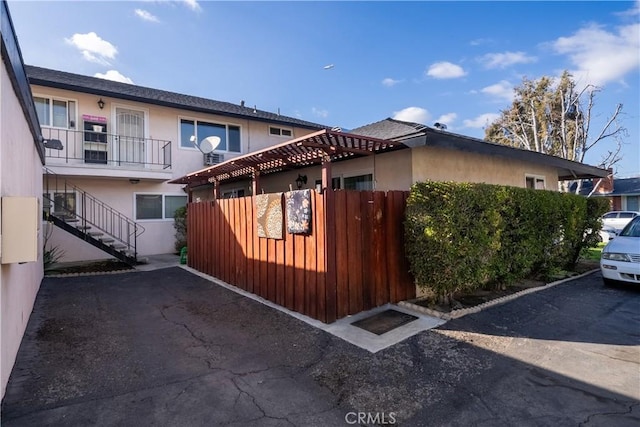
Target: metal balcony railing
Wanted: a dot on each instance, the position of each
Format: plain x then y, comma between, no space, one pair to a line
99,148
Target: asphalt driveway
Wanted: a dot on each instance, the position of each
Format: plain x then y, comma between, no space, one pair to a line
167,347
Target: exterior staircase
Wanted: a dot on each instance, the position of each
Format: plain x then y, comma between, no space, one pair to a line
77,212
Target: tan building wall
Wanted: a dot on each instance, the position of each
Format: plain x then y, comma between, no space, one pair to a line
440,164
391,171
20,175
398,170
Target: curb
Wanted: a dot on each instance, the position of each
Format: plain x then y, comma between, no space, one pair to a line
95,273
455,314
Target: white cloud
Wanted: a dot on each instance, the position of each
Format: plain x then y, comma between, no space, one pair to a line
389,82
113,75
445,70
506,59
93,48
146,16
447,119
600,56
502,90
635,10
481,121
320,113
412,114
193,5
480,41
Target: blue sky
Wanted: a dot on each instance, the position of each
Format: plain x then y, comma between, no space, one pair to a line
449,62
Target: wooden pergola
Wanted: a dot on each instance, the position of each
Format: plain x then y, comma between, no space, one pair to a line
322,147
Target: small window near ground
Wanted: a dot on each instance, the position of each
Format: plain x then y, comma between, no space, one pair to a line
275,131
360,182
535,182
158,206
172,204
633,203
233,194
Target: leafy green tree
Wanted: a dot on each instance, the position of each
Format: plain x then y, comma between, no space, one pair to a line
552,116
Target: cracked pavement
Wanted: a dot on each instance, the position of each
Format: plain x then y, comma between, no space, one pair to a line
167,347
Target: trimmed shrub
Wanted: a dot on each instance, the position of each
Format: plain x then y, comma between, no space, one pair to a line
463,236
180,224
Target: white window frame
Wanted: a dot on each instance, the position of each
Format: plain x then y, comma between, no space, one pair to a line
357,173
147,193
280,130
191,147
536,179
624,201
59,98
52,194
113,124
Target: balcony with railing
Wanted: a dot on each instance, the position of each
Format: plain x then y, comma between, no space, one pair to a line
96,150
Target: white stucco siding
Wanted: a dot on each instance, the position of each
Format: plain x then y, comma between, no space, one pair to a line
120,194
163,123
20,175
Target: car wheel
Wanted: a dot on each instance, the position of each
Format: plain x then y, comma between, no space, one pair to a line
608,282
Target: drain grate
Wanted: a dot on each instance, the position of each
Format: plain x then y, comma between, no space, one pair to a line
384,322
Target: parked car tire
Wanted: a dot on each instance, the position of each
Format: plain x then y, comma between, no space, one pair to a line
608,282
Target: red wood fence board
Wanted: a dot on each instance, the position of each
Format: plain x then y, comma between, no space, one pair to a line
352,260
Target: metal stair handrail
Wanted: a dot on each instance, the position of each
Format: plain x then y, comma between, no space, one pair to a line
93,213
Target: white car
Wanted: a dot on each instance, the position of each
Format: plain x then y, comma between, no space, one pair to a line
607,233
620,261
618,219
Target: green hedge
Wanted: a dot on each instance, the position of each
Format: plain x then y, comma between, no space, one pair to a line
463,236
180,225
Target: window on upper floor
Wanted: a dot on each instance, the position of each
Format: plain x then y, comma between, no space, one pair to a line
57,113
275,131
229,134
535,182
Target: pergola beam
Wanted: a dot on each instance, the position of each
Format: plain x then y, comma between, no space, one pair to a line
298,153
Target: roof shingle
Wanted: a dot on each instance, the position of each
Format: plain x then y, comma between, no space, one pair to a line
97,86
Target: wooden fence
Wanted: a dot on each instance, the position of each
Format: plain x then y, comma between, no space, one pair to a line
352,260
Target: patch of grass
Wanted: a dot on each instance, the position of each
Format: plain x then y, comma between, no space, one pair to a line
593,254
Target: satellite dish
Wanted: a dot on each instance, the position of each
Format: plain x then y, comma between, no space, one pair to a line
209,144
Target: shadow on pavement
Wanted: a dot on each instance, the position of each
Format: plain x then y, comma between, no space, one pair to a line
582,310
169,348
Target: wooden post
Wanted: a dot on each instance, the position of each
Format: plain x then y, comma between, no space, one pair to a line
216,190
190,194
255,182
330,241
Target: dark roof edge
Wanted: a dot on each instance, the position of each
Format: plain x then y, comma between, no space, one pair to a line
12,57
120,95
466,143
